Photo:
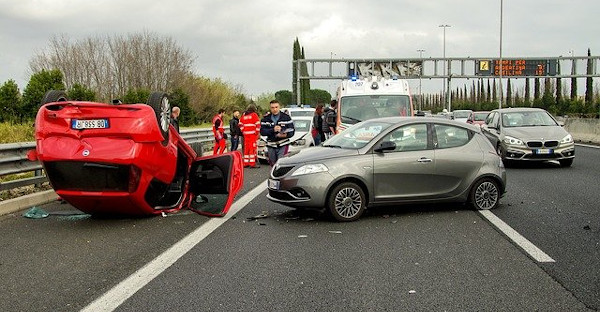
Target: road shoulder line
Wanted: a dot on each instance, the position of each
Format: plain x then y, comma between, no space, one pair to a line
533,251
113,298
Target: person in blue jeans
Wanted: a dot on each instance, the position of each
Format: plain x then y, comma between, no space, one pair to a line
278,127
234,130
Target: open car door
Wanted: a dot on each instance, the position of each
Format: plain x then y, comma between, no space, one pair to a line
214,182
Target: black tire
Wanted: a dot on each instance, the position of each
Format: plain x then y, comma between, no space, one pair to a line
566,162
159,101
54,96
485,194
346,202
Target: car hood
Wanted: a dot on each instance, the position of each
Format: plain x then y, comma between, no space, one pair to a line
537,133
315,154
298,135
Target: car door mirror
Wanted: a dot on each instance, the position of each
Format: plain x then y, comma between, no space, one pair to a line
214,182
385,146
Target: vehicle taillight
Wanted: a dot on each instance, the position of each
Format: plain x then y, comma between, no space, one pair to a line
135,174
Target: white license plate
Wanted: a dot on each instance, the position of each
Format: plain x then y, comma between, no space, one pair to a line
89,124
273,184
543,151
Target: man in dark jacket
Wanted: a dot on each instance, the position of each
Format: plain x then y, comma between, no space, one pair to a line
175,117
330,120
234,130
278,127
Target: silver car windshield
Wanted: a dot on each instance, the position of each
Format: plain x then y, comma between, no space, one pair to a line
301,125
358,135
527,119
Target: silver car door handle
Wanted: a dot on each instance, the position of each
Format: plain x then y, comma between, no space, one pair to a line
424,160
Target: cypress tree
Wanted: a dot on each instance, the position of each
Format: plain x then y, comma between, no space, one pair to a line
488,95
527,101
494,92
536,89
589,88
508,93
296,55
305,84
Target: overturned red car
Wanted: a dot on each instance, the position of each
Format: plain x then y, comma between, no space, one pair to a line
127,159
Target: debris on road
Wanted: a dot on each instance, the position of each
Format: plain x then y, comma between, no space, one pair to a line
412,292
335,232
263,215
302,236
36,213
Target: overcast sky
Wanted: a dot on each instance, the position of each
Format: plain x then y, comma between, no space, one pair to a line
249,43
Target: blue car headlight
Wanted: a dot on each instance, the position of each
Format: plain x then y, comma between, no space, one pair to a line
310,169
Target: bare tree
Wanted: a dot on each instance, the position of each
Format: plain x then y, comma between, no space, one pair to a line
112,65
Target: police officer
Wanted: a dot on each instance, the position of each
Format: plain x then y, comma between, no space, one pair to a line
278,127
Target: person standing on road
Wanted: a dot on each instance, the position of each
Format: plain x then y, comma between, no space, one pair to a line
250,126
219,133
175,117
317,126
234,130
278,128
329,120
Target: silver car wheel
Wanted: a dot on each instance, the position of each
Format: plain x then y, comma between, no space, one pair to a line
486,195
348,202
165,111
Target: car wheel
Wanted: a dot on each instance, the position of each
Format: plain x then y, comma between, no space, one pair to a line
54,96
347,202
159,102
566,162
485,194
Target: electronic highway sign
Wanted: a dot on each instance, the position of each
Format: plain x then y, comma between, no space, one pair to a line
516,67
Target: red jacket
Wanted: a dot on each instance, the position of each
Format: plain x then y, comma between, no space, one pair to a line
250,124
217,127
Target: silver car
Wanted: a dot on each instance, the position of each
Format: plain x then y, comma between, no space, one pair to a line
302,138
528,134
388,161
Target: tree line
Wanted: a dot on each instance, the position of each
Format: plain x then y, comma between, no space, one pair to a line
129,68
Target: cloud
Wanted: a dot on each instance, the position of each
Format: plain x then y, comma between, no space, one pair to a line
249,43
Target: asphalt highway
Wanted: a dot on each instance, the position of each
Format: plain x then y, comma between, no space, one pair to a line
408,258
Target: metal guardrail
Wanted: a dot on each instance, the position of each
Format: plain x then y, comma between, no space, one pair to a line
13,157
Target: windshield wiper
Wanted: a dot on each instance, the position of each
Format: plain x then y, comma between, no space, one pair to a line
329,145
353,119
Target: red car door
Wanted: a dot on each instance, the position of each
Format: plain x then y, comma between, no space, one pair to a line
214,182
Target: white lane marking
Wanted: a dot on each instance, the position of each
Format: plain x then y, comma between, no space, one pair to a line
587,145
521,241
136,281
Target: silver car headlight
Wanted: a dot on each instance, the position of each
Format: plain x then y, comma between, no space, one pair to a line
566,140
310,169
299,142
512,141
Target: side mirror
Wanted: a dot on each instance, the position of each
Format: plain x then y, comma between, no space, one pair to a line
385,146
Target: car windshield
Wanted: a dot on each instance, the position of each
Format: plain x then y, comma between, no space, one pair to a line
480,116
527,119
363,107
461,114
301,125
358,135
300,113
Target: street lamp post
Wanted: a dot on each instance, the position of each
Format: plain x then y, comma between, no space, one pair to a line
445,65
501,88
420,85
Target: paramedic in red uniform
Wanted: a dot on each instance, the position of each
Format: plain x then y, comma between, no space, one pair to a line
250,126
219,132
